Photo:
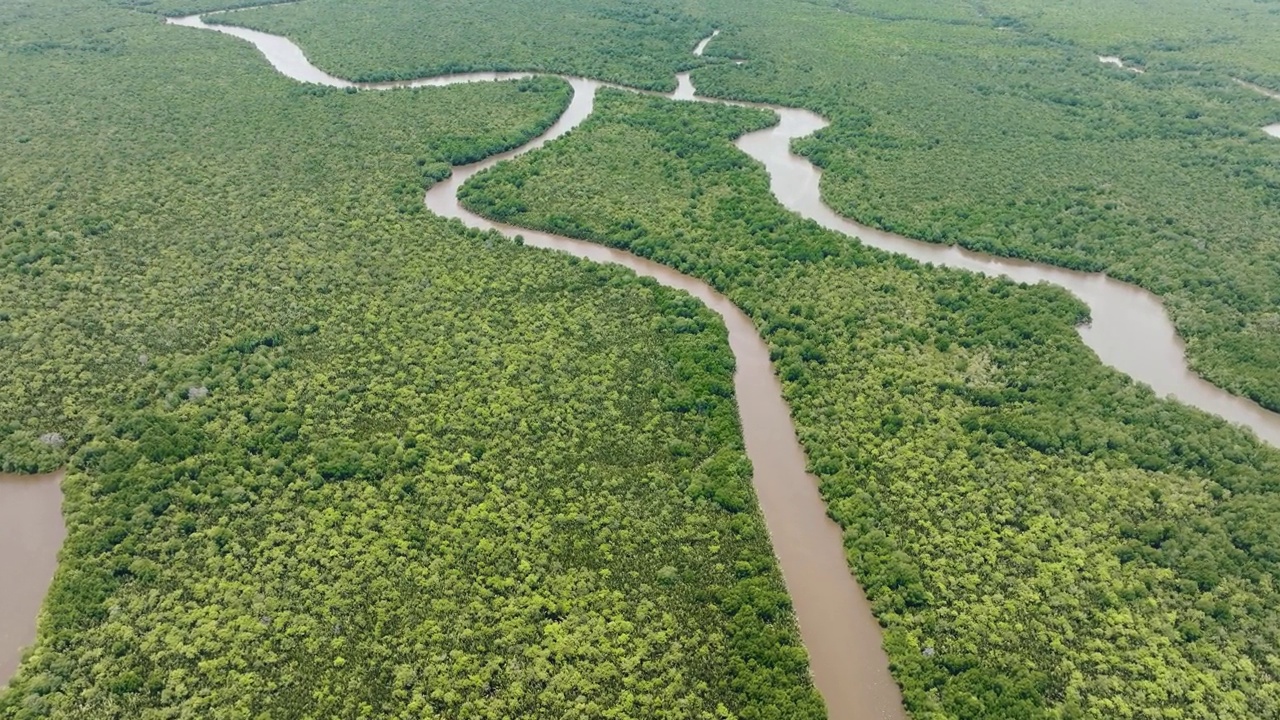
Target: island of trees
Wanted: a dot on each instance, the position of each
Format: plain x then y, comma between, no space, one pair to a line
1041,537
331,456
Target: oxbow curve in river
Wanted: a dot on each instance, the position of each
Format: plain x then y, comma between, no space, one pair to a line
1130,331
850,668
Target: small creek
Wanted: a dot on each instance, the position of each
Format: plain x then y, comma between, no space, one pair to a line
1274,128
1130,331
1119,62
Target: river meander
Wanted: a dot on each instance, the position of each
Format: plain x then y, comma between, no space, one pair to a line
1129,331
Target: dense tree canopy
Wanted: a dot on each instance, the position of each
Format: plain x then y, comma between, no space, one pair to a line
1040,536
330,456
641,44
994,126
991,124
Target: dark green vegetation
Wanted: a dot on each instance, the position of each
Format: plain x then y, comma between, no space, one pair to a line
642,44
331,456
1235,36
139,227
179,8
987,124
957,126
1041,538
424,449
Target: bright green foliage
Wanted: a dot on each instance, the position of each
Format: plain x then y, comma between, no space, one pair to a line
475,493
1041,537
150,211
1236,36
991,124
642,44
986,129
331,456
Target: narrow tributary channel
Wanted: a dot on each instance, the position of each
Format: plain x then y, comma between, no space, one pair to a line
850,668
1118,62
1130,331
1274,128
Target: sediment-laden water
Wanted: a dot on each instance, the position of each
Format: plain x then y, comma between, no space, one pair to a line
1130,331
31,532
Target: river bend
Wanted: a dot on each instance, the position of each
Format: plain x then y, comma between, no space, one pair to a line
1274,128
1130,331
850,668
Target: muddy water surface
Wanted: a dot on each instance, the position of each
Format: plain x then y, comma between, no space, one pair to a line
31,532
842,636
850,668
1130,331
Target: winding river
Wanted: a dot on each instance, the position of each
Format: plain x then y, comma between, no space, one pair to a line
850,668
1130,331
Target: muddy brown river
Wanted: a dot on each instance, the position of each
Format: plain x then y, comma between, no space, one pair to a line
1130,331
31,531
